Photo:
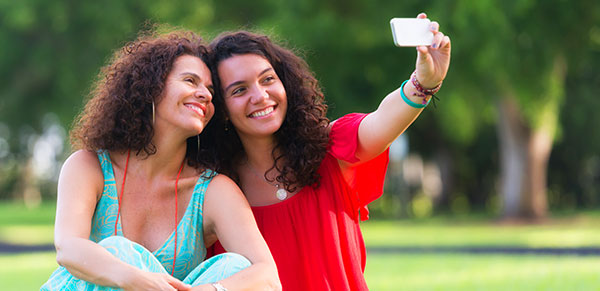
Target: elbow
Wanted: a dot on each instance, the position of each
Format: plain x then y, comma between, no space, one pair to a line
61,256
64,252
272,278
265,277
274,284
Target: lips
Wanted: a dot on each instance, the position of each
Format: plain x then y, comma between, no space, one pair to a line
196,107
262,113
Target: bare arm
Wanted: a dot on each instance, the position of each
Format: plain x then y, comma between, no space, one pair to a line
380,128
79,188
228,214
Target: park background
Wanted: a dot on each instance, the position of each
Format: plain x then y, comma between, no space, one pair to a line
509,158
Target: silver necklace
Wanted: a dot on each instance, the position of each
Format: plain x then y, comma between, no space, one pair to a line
281,193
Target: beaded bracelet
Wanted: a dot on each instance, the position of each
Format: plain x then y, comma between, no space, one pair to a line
415,82
409,102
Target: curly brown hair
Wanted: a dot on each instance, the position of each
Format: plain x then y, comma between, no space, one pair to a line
118,115
303,137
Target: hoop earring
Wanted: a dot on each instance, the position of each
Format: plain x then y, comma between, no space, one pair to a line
153,113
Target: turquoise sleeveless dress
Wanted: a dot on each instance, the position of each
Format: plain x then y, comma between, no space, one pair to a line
191,251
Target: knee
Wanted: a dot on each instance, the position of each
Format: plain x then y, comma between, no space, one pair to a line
232,261
235,259
113,241
119,246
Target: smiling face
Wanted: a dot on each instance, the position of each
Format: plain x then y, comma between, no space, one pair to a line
186,101
255,98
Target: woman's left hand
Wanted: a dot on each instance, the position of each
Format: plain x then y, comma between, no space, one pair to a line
433,61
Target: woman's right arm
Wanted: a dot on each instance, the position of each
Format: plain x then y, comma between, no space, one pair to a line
80,185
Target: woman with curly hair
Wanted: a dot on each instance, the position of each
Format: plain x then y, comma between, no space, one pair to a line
308,180
138,202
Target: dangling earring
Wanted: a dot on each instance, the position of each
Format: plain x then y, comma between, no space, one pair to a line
226,124
153,113
198,138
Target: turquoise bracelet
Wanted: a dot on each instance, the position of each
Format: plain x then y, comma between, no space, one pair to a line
408,101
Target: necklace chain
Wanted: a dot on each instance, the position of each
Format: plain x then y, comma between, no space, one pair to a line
123,191
281,193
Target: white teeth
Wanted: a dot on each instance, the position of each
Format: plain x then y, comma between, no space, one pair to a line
195,108
262,113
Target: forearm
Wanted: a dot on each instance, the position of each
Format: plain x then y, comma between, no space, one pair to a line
91,262
380,128
259,276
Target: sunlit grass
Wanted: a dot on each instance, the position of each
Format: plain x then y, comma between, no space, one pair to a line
20,225
481,272
439,271
16,213
26,271
566,232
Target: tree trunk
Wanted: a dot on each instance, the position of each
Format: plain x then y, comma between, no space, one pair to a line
525,147
524,154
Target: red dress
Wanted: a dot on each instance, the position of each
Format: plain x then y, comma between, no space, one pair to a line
314,236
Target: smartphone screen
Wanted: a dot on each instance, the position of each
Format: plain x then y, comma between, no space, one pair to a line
411,31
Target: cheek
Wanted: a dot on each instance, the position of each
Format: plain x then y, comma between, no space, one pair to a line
233,108
211,112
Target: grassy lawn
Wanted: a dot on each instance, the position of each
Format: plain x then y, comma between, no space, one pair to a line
579,230
481,272
388,271
26,226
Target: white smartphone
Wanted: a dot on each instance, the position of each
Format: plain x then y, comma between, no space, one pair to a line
411,31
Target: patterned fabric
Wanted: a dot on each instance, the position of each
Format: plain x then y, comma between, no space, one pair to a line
190,245
209,271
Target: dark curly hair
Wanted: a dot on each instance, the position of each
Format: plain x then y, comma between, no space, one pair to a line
303,137
118,115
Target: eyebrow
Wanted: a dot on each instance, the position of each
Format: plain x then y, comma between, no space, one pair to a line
191,74
240,82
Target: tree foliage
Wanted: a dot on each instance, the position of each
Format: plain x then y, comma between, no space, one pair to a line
52,52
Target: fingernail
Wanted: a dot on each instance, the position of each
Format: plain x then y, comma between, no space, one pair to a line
434,45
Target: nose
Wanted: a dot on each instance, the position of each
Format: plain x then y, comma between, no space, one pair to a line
259,94
203,93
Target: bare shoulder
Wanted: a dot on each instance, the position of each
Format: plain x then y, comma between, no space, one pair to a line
223,185
222,197
83,160
82,165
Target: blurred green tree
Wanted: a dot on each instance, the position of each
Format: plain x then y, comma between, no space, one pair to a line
50,54
516,54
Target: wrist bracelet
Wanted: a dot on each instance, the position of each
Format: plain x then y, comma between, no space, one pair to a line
415,82
218,286
409,102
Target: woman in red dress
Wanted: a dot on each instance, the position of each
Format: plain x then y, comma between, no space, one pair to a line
308,180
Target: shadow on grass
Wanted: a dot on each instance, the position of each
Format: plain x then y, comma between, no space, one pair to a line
8,248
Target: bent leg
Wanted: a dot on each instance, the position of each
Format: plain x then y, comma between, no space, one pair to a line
217,268
122,248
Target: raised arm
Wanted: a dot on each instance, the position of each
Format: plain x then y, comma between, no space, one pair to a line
227,214
79,187
379,129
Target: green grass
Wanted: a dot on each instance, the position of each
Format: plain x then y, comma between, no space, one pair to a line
21,225
577,231
388,271
481,272
26,271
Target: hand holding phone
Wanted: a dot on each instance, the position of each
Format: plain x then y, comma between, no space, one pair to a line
411,31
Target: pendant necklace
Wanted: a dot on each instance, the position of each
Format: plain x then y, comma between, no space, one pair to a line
281,193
